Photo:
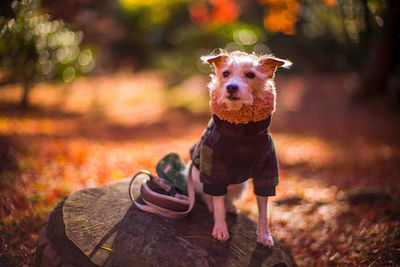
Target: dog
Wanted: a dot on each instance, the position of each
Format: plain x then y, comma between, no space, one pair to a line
237,145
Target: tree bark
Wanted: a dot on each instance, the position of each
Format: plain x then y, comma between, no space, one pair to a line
26,88
382,56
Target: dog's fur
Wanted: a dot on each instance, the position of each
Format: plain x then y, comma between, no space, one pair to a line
251,99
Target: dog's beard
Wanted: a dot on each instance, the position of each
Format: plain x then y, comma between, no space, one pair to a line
234,102
261,108
233,105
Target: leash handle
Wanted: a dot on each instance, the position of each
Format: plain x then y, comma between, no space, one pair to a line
155,209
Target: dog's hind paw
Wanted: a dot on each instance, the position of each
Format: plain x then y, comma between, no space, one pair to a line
266,240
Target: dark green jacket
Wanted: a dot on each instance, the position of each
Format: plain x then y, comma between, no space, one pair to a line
232,153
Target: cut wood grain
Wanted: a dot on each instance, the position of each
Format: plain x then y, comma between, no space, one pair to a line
101,227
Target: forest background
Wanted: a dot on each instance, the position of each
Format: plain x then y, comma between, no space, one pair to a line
93,91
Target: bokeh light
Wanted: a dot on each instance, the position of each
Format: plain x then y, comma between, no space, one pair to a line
245,37
69,74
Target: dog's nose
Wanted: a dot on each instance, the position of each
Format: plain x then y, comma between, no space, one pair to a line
232,88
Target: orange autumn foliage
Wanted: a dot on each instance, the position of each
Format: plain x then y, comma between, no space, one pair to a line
281,15
330,2
214,13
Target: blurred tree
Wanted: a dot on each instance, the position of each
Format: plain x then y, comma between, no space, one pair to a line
380,73
33,48
5,8
321,35
357,35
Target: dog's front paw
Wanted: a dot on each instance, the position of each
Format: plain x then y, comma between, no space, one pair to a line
220,231
266,240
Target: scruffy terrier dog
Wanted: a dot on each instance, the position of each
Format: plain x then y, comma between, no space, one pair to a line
237,145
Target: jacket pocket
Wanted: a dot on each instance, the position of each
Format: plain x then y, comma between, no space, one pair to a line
206,155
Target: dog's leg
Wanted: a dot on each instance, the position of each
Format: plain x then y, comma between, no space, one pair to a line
234,192
264,235
198,187
220,230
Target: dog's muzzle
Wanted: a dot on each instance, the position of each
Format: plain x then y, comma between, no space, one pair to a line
232,89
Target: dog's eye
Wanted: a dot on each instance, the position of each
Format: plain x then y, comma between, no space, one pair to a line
250,75
226,74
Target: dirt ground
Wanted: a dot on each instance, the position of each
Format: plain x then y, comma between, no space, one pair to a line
338,200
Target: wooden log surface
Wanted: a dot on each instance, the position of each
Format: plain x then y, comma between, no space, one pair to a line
101,227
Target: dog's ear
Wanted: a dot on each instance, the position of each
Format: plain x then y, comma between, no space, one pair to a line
268,64
215,60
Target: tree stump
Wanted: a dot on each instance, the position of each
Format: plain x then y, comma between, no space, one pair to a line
101,227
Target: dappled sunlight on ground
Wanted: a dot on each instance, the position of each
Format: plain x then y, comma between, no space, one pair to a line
102,129
296,150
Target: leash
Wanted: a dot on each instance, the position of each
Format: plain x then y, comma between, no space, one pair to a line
171,205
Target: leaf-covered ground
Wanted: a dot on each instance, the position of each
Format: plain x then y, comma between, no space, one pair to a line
337,203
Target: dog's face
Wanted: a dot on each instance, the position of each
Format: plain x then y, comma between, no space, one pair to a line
239,76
